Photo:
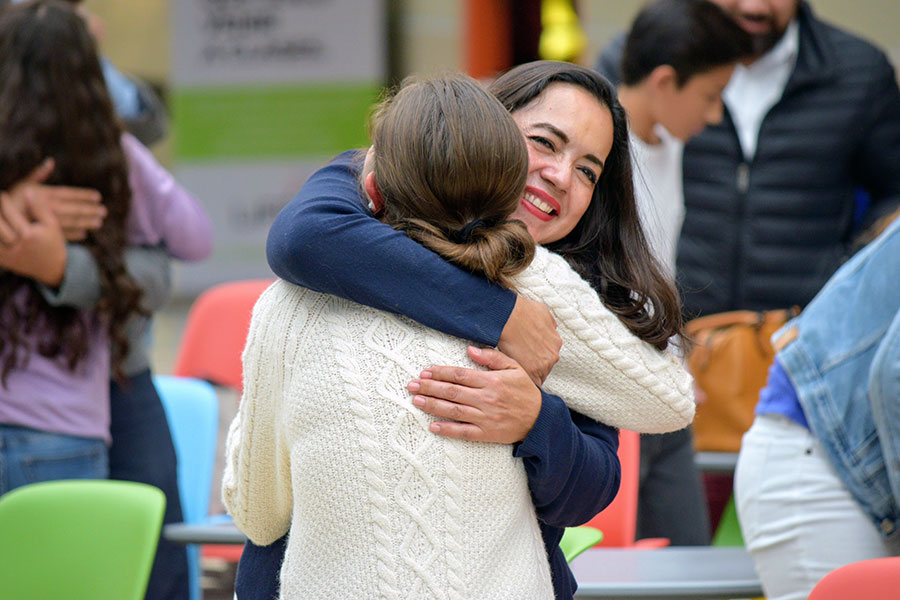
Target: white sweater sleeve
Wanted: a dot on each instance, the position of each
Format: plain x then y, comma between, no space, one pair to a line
604,371
256,485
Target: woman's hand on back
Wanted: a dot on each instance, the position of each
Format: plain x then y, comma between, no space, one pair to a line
530,338
499,406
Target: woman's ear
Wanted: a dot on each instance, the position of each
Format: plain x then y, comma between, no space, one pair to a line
376,202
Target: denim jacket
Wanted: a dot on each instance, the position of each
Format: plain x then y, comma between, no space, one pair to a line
845,366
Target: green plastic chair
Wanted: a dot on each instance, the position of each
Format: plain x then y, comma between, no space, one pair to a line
576,540
728,533
78,539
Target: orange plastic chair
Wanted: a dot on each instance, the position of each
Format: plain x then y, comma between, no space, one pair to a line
216,331
873,579
618,521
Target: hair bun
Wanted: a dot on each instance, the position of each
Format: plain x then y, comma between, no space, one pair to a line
464,235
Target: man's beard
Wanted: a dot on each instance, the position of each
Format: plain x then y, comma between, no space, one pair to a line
763,42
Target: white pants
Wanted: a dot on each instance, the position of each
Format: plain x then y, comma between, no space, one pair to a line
798,520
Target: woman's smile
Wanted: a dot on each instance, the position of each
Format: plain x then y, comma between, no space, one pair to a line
568,133
540,204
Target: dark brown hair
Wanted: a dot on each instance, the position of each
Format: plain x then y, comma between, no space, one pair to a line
691,36
607,247
451,163
54,103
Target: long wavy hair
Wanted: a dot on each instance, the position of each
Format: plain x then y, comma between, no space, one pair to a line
451,163
54,103
607,247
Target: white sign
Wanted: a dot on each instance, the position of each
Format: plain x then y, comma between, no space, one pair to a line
264,92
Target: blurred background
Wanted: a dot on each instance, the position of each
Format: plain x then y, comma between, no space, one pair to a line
263,92
429,34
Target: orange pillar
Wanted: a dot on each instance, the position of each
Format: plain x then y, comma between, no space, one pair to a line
488,49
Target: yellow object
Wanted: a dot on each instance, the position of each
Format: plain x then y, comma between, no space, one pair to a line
561,35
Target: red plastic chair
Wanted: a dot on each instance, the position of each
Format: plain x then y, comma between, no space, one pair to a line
211,346
618,521
216,331
873,579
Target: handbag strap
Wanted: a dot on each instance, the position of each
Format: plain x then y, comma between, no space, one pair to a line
750,318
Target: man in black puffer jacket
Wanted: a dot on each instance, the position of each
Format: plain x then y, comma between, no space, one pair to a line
766,228
806,156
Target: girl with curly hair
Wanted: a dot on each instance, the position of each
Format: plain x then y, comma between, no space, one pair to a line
72,316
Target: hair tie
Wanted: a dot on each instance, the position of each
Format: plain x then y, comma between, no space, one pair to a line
463,235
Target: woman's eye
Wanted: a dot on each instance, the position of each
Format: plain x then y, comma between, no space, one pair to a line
543,142
591,176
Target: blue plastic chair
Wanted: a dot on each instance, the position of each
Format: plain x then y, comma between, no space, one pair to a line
192,409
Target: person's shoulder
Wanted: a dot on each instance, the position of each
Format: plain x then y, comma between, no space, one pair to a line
133,148
609,61
850,50
548,275
281,293
348,159
346,166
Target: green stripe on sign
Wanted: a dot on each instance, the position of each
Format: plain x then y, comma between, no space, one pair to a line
270,121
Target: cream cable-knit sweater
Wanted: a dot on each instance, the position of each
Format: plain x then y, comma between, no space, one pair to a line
327,444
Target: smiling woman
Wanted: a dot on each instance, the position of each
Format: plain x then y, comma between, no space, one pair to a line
606,244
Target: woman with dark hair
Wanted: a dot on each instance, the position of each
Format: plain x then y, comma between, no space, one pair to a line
72,315
606,245
579,170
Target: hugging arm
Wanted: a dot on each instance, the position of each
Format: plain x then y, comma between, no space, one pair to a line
326,240
571,462
81,287
606,372
256,484
160,202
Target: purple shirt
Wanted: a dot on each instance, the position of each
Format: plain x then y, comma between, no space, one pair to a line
45,394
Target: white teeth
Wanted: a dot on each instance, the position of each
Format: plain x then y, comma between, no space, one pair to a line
537,202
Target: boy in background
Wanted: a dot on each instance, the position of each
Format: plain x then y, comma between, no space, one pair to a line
678,57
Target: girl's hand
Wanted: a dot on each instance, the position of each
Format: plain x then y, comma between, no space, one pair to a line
38,248
79,210
499,406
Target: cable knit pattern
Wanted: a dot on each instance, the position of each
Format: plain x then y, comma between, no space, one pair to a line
327,443
374,476
605,371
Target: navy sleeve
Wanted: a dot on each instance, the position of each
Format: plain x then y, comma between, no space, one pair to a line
326,240
571,462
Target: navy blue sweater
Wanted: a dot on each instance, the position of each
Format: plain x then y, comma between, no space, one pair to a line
326,240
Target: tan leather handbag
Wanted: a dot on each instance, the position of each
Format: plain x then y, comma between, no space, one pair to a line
730,361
